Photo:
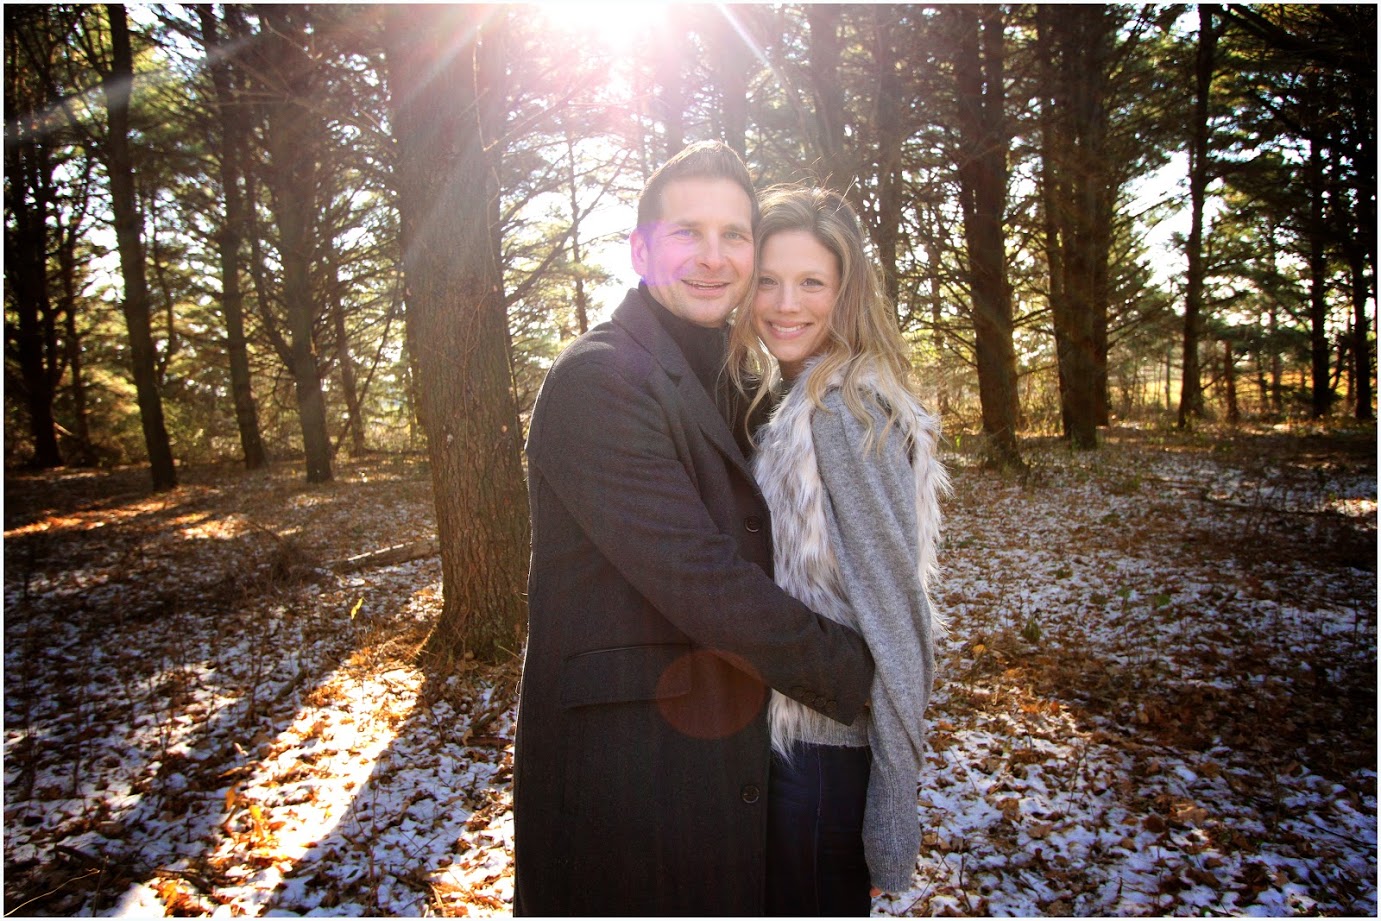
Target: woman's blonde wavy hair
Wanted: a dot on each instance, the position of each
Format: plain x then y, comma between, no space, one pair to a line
863,334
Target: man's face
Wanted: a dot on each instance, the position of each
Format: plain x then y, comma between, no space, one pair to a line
697,258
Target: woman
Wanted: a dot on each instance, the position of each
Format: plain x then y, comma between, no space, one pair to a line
847,464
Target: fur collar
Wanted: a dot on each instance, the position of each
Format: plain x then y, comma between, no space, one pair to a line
804,561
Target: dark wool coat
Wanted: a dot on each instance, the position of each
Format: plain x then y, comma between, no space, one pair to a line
641,761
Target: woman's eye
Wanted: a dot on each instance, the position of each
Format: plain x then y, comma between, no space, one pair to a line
812,283
765,282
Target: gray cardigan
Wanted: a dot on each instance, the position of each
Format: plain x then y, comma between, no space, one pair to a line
872,527
870,508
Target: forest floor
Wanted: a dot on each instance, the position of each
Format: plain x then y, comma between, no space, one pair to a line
1158,693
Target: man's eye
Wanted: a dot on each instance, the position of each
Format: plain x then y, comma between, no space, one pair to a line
683,233
736,235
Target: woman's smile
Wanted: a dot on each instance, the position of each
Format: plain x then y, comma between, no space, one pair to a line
798,283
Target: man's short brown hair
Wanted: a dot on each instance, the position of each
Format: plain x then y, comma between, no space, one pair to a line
701,160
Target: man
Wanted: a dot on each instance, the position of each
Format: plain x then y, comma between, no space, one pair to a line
655,630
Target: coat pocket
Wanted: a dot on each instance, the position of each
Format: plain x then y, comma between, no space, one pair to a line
624,674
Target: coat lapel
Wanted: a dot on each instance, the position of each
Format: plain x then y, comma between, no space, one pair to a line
635,317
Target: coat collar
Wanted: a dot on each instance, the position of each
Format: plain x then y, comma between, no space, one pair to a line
634,316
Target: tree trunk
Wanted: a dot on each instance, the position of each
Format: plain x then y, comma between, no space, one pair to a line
1361,330
447,201
1263,385
825,53
229,242
1085,258
27,199
669,103
1191,387
34,225
731,67
1054,191
582,307
927,224
72,343
345,362
1168,377
292,138
984,135
124,207
1230,383
1321,392
410,388
1362,249
1102,246
1074,42
1343,363
890,124
72,233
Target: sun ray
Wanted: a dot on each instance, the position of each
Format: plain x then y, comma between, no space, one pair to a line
616,26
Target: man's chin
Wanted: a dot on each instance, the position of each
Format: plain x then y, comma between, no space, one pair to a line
708,318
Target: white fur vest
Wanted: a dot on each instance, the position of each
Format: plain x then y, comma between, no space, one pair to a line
805,563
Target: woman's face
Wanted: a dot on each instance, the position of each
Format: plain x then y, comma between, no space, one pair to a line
798,283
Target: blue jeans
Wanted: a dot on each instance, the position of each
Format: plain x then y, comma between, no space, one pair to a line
815,863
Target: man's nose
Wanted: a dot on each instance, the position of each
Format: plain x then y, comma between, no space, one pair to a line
712,251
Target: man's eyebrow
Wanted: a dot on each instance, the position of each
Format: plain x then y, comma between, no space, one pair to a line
697,223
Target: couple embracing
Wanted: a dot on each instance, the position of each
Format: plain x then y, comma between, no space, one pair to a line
730,644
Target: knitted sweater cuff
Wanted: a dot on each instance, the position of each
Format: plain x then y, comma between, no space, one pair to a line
891,832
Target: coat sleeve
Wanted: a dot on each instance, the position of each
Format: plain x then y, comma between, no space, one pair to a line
873,514
609,453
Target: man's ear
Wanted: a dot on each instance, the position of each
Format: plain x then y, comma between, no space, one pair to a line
637,246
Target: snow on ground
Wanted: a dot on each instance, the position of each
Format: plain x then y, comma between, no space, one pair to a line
1038,804
1158,696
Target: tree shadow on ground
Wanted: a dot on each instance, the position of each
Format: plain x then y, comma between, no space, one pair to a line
153,644
427,831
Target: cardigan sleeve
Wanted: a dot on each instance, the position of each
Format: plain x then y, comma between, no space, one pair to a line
872,516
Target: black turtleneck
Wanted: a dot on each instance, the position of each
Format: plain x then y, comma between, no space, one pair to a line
705,349
703,346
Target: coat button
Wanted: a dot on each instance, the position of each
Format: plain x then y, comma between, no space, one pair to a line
750,793
752,524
